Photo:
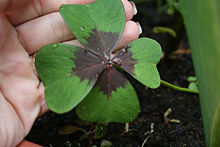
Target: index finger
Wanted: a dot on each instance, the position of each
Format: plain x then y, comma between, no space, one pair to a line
37,8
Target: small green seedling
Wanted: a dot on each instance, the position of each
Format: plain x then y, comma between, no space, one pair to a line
193,83
90,78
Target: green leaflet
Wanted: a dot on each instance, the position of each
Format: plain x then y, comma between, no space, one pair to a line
89,23
147,52
122,106
63,91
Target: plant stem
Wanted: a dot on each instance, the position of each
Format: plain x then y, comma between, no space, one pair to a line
178,88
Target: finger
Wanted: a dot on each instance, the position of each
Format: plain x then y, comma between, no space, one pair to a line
47,29
38,8
130,9
131,32
11,4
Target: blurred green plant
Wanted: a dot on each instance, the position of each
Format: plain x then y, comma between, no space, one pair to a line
164,30
140,1
105,143
202,20
168,7
172,5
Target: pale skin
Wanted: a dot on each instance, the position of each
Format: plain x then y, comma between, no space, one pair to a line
26,26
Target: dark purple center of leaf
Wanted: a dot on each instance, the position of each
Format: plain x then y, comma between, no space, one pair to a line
99,66
102,43
87,65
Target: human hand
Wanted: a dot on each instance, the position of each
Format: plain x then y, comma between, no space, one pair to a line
26,26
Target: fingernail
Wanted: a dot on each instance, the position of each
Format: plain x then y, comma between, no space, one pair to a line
134,7
139,27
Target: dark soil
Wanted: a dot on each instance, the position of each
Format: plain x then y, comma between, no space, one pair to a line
185,107
154,103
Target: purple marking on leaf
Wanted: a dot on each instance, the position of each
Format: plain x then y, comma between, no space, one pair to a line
102,43
87,65
110,80
92,66
125,60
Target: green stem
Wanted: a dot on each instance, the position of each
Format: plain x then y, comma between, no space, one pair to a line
178,88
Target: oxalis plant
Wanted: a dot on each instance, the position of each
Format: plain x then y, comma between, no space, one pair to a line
91,78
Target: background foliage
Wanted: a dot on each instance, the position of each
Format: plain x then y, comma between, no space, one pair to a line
202,20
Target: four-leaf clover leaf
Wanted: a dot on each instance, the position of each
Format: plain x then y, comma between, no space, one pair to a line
92,78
